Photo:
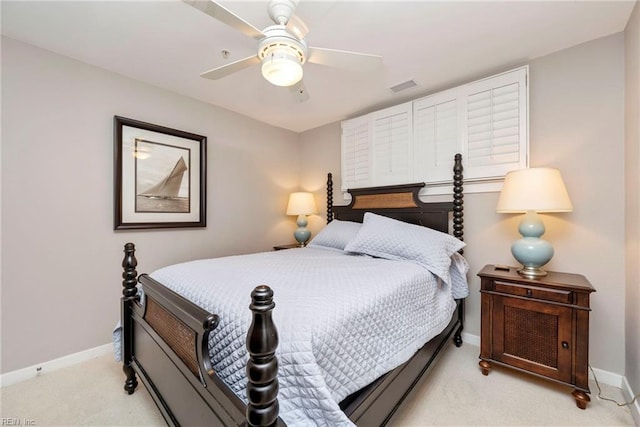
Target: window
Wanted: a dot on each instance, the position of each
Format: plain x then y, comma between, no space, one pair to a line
486,121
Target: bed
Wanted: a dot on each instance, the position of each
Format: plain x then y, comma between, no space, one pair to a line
181,335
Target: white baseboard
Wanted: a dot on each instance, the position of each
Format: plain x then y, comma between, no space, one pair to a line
628,393
23,374
471,339
608,378
604,377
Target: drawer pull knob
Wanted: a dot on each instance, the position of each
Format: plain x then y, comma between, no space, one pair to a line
565,344
529,292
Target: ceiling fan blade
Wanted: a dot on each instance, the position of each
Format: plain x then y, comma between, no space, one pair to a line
227,69
297,27
344,59
299,92
224,15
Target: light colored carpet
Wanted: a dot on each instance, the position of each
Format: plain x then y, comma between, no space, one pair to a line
456,393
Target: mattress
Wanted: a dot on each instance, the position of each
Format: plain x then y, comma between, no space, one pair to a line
343,320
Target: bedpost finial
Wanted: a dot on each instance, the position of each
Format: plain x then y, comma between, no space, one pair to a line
262,299
457,166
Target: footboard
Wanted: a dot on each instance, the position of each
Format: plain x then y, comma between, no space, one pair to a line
165,342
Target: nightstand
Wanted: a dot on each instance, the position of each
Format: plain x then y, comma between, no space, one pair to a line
539,326
291,246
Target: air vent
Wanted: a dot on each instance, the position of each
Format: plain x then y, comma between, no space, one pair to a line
403,86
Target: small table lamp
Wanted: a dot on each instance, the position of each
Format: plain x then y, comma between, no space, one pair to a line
533,190
301,204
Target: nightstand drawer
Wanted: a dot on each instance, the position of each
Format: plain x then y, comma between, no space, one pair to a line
555,295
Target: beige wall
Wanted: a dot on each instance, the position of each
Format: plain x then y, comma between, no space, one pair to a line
320,157
632,190
61,279
576,125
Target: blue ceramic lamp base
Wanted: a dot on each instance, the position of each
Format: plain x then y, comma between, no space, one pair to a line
302,233
532,251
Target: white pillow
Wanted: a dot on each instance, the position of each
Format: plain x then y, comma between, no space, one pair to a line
388,238
335,235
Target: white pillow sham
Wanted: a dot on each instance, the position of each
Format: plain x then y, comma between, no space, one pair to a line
388,238
335,235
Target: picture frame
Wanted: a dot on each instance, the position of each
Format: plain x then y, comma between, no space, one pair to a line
159,176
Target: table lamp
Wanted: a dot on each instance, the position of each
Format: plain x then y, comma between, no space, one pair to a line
301,204
533,190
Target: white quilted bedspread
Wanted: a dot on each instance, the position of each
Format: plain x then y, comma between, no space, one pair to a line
343,320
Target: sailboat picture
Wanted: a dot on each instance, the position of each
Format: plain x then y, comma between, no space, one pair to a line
162,177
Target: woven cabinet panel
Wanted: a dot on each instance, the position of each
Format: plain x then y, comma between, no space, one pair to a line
174,332
531,335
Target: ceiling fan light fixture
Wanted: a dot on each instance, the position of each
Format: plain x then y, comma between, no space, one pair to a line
282,49
281,67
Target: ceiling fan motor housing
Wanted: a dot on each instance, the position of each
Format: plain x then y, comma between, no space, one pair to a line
278,38
282,56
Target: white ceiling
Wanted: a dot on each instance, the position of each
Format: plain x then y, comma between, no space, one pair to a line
436,43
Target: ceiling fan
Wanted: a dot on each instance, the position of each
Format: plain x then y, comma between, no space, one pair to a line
282,50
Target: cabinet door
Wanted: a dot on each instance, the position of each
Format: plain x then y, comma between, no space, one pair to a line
534,336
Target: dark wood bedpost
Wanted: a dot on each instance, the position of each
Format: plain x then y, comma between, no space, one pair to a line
329,197
262,368
129,295
458,231
458,226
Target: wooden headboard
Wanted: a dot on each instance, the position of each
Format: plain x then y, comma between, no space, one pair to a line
402,202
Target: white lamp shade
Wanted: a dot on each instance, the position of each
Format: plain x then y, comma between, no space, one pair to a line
534,189
301,203
281,67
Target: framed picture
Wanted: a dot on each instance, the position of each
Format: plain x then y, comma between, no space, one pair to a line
160,176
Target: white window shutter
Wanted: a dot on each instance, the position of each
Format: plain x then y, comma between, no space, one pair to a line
486,121
496,137
436,136
392,145
356,153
